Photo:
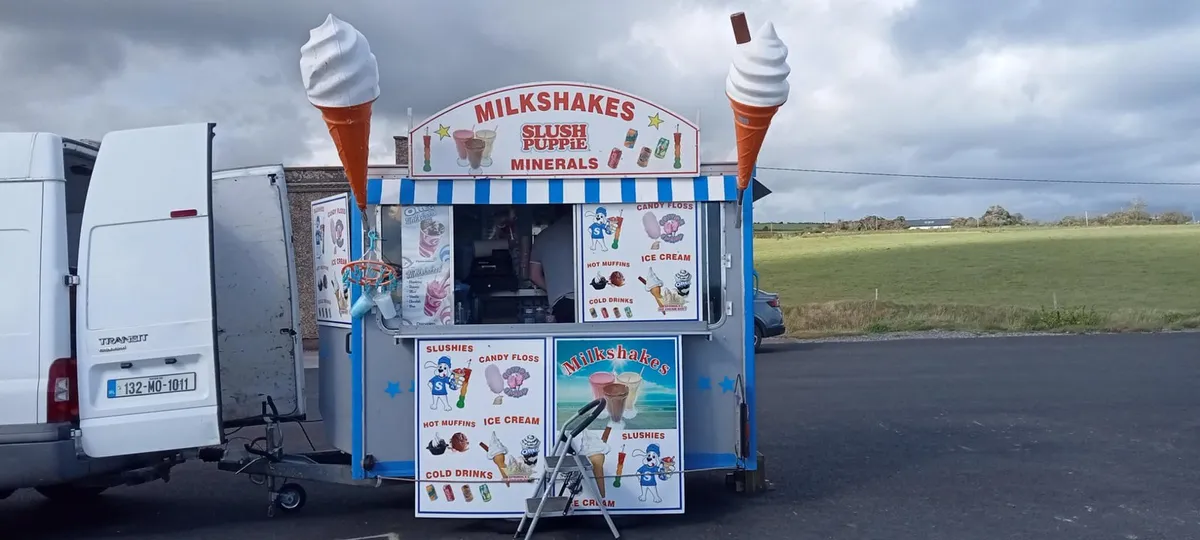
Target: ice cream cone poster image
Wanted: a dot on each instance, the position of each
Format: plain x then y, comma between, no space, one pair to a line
640,262
331,251
554,130
481,425
639,379
756,87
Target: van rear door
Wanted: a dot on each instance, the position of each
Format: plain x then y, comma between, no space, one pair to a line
257,308
145,321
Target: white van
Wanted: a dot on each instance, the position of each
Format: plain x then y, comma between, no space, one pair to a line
149,304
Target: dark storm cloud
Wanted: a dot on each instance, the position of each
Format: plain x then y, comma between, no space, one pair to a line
431,54
1125,111
937,27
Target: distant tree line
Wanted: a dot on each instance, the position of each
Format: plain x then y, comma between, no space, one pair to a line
1135,213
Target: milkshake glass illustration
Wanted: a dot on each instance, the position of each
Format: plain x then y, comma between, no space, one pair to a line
616,394
598,381
431,236
475,155
633,382
435,293
461,136
488,136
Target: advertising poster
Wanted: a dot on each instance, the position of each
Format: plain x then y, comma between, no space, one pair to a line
554,130
481,405
331,252
638,441
640,262
426,294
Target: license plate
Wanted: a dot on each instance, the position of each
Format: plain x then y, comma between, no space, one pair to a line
149,386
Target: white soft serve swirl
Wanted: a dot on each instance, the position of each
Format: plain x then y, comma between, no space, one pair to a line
337,66
758,76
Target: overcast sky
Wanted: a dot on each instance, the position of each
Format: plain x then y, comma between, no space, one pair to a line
1105,90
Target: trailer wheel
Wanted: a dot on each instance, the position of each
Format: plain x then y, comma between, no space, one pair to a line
291,497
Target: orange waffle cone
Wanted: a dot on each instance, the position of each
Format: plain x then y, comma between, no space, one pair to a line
750,126
350,128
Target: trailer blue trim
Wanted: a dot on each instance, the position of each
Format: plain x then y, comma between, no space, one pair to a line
749,291
356,356
406,191
394,469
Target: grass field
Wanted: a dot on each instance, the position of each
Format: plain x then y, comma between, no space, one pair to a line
1101,278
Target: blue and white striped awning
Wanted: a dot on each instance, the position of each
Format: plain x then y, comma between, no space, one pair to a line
550,190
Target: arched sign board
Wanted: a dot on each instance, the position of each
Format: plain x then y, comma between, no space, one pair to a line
554,130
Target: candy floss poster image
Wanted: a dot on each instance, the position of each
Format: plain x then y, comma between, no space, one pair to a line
481,433
427,293
638,440
331,252
640,262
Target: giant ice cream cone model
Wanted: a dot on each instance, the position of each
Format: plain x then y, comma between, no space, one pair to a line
341,77
756,86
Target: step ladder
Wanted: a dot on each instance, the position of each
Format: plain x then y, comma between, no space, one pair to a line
566,474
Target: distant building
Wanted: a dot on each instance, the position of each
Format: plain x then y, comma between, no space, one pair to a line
942,223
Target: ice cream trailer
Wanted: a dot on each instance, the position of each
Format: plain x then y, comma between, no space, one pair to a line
555,244
554,288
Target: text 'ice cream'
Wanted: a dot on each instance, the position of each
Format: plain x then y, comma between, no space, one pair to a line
341,78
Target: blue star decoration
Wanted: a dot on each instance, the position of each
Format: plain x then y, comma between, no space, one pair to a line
393,388
726,385
704,383
412,386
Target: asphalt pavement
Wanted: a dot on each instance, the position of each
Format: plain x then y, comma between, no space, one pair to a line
1061,437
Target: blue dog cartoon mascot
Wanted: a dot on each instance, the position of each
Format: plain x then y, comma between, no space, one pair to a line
650,472
441,383
599,228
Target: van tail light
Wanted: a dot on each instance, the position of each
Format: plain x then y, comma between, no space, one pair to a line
62,392
774,302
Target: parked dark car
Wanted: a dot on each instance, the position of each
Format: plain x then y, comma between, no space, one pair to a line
768,317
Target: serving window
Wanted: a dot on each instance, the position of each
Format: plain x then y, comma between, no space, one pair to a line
478,264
